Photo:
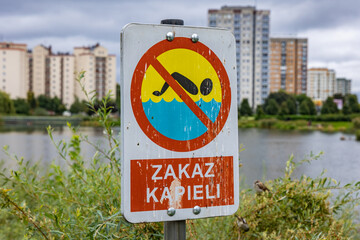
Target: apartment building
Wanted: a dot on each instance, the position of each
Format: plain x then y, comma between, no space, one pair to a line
343,86
13,69
251,29
288,64
100,70
321,83
51,74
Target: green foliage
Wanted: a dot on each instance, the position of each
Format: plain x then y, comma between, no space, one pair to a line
83,201
39,111
295,208
267,123
307,107
356,122
346,109
80,202
329,106
78,107
6,104
31,100
357,134
272,107
51,104
21,106
352,101
259,112
279,98
291,106
245,109
118,95
284,110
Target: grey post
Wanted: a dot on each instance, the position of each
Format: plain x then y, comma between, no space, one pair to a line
174,230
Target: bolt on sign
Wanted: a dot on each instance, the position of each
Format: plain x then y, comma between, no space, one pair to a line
179,129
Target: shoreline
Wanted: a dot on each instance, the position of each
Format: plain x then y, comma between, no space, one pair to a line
301,125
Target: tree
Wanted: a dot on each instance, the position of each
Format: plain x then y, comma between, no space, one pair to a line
304,108
272,108
78,107
6,104
291,106
31,100
44,102
279,98
21,106
303,101
346,109
118,94
259,112
284,110
329,106
311,105
245,109
352,100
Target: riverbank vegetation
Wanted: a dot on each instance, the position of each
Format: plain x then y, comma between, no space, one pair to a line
82,200
44,105
288,112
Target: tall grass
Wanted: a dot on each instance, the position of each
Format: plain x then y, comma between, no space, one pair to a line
82,200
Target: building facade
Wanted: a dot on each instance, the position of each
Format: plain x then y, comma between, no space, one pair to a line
45,73
343,86
13,69
251,29
51,74
100,70
288,65
321,83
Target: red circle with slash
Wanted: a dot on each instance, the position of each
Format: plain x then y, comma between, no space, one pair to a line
150,58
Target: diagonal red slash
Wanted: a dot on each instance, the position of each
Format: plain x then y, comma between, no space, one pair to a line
182,94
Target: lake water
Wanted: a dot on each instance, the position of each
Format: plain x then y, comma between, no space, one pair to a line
264,156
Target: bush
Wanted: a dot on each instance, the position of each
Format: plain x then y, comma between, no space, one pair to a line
21,106
83,201
357,135
267,123
39,111
356,122
293,209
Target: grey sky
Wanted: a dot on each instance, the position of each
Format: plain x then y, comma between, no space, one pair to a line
331,26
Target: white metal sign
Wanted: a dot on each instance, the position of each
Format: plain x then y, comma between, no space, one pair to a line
179,127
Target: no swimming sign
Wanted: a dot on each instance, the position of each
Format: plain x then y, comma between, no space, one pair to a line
179,123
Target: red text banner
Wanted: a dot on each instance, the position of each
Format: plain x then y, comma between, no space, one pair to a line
157,184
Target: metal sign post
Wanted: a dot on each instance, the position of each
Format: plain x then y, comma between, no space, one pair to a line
179,130
174,229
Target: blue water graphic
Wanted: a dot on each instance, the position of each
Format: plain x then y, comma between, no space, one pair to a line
175,119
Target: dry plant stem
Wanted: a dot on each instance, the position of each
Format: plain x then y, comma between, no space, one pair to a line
25,215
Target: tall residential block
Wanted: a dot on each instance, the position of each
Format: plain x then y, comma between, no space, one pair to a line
288,64
13,69
343,86
251,29
321,83
100,70
52,74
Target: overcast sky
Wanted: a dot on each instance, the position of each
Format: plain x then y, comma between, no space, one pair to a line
331,26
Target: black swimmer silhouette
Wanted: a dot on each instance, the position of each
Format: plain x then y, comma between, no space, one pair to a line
188,85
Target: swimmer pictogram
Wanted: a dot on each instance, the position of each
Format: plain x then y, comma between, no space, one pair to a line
188,85
180,94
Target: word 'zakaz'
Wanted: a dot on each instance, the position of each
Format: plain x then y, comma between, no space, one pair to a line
205,87
197,171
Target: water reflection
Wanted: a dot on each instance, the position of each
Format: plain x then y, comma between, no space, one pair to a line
266,151
34,144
